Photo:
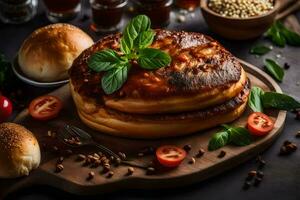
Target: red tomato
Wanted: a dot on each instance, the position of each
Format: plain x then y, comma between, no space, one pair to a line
6,108
259,124
45,107
170,156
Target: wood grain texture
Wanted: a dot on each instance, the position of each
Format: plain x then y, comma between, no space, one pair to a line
73,178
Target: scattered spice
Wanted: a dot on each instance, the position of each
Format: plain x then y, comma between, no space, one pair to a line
130,171
260,174
222,154
110,174
122,155
287,148
80,157
60,160
200,153
91,175
246,185
73,141
298,134
59,168
187,147
192,161
257,181
251,175
150,170
286,66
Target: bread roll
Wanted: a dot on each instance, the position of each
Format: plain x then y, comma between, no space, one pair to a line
48,53
20,151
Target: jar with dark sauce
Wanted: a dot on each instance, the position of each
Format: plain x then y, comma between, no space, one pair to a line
62,10
157,10
189,5
107,15
17,11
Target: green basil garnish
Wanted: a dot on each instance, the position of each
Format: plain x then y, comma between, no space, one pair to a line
137,37
280,35
238,136
259,50
279,101
259,99
254,100
218,140
274,69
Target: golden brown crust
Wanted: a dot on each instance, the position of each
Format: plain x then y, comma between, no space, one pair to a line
48,52
199,64
117,123
20,151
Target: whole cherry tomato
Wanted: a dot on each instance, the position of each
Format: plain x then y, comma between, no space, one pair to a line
6,108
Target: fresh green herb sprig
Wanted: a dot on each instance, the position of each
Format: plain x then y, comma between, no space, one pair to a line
274,69
259,99
238,136
280,35
260,49
137,37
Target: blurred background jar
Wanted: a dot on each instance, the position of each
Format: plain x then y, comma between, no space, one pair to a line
157,10
189,5
107,15
62,10
17,11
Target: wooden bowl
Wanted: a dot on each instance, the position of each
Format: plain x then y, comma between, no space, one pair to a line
238,28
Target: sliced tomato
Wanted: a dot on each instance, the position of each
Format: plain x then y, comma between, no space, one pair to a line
45,107
259,124
170,156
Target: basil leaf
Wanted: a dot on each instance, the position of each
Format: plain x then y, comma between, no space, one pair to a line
218,140
292,38
104,60
145,39
153,58
275,35
239,136
114,79
259,50
279,101
254,100
131,32
274,69
126,45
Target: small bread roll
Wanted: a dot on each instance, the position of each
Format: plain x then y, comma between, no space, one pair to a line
48,53
19,151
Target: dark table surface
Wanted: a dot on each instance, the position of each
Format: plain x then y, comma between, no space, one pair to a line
282,174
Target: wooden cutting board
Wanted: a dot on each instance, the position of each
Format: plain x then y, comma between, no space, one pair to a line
73,178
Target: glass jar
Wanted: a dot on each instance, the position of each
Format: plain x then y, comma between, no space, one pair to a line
17,11
157,10
107,15
62,10
189,5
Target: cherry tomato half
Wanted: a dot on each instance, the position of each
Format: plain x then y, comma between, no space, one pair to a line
170,156
6,108
259,124
45,107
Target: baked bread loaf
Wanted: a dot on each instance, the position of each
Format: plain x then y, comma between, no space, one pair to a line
20,151
204,86
48,53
